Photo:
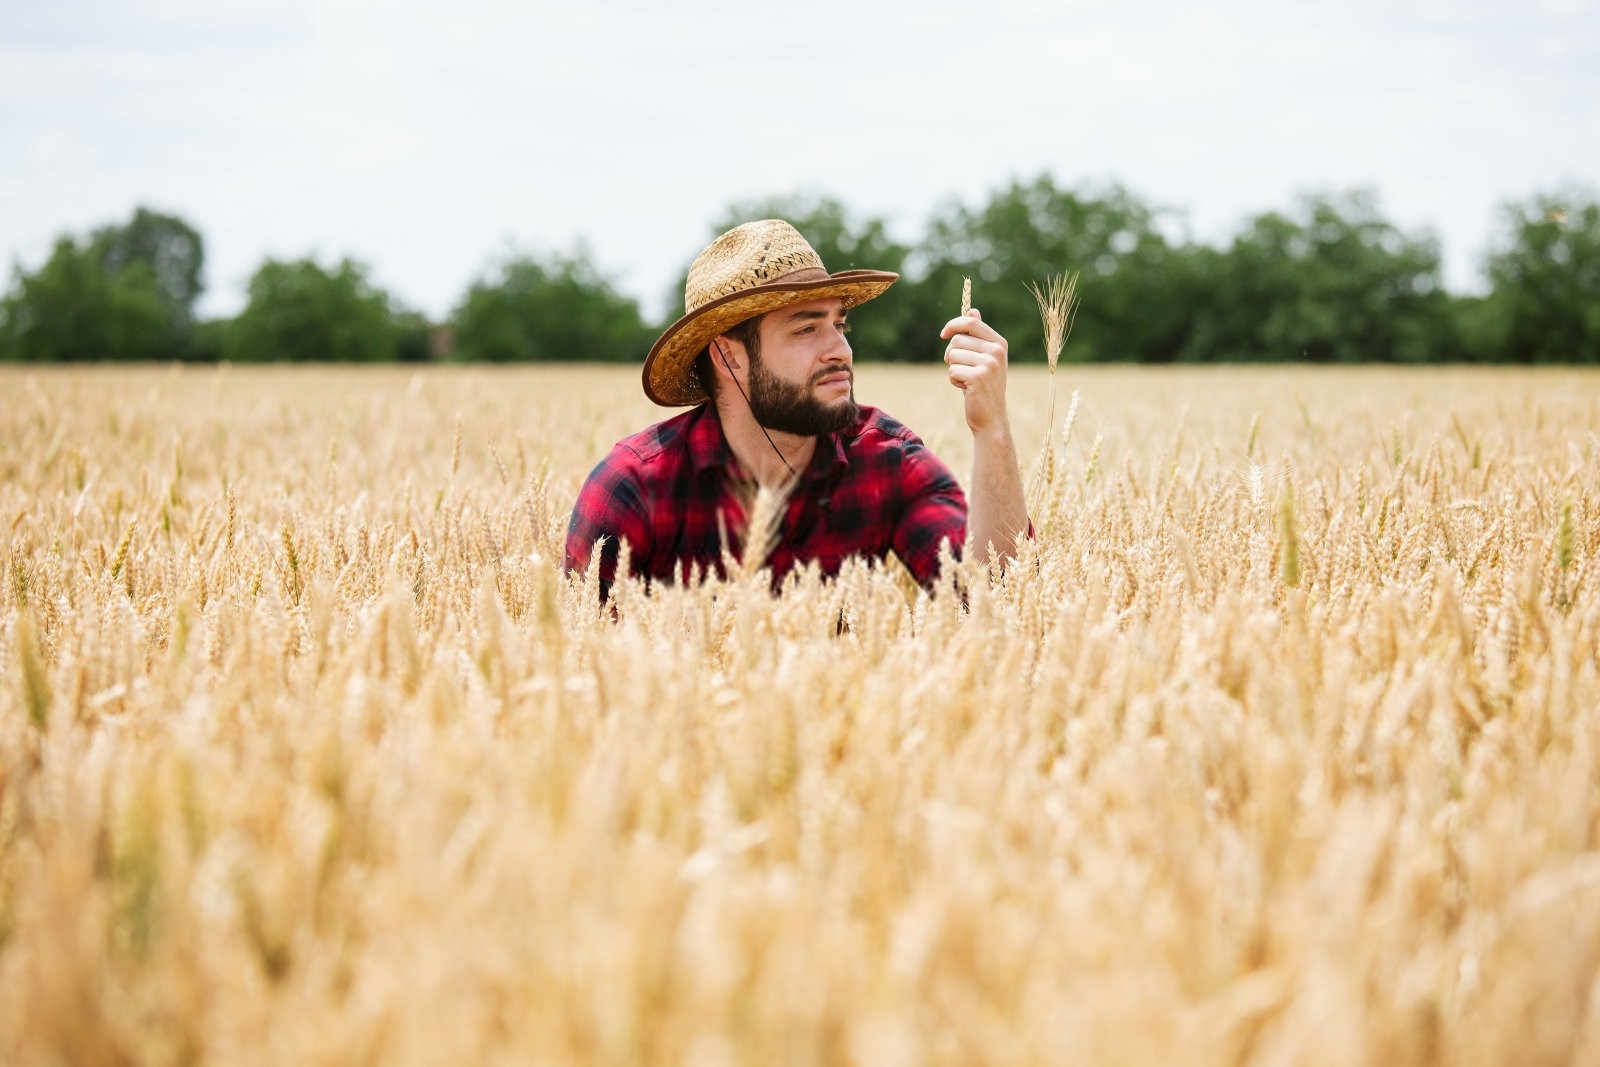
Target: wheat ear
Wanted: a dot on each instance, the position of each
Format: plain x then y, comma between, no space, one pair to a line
1058,306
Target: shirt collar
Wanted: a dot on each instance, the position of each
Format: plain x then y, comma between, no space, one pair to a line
709,448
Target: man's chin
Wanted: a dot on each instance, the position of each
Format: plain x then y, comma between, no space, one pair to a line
842,412
838,402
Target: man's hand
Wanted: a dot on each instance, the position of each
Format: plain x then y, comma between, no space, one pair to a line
976,356
997,515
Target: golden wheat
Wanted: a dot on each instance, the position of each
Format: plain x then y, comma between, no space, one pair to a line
1276,754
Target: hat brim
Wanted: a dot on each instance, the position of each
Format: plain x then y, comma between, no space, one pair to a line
668,369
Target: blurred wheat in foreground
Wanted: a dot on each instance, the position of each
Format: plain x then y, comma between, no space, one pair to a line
1278,746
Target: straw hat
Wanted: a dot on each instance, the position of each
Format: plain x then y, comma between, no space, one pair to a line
752,269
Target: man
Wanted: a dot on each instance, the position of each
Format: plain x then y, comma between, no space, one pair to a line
762,351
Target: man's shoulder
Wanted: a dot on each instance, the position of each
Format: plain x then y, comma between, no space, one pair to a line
657,441
875,428
881,442
644,459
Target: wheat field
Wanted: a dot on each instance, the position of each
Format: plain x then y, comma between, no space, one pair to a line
1278,745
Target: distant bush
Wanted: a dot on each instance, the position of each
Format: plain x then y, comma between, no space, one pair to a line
1334,282
301,311
125,292
558,307
1545,304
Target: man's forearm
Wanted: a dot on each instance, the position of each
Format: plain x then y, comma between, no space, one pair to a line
996,513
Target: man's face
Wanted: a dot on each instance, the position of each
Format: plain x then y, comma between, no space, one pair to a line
802,381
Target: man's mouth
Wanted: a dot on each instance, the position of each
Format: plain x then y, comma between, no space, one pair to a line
836,376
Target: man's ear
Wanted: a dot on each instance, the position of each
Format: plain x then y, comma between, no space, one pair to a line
727,352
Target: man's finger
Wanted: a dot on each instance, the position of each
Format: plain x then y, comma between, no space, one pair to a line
975,344
970,357
961,374
970,325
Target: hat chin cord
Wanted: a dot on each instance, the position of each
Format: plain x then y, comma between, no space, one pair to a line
781,459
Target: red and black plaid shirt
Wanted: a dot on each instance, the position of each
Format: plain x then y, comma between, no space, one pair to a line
869,489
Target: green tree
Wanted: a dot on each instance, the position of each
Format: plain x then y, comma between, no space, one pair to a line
127,292
844,241
210,341
1545,304
1334,282
1134,287
559,307
299,310
415,344
172,250
73,308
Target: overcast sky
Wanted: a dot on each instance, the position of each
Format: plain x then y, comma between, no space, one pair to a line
427,138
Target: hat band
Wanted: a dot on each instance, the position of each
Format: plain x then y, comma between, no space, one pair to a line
809,274
804,276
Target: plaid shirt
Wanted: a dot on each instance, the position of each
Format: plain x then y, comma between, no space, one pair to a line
868,490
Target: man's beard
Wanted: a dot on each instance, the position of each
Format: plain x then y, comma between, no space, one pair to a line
789,408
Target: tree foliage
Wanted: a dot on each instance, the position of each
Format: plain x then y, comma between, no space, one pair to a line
1328,279
1545,302
126,292
72,309
1331,283
172,250
301,311
1030,229
528,307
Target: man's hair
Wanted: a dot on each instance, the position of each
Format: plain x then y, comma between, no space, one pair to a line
747,333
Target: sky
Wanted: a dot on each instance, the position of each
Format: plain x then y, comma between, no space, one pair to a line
428,140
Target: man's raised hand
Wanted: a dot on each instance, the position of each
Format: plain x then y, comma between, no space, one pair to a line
976,356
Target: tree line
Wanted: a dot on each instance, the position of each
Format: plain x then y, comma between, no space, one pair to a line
1329,280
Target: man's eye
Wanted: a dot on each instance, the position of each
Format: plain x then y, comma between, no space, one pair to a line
803,329
844,327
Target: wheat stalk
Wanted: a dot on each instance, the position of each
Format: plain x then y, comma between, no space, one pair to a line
1288,538
292,555
121,555
764,508
1058,306
35,685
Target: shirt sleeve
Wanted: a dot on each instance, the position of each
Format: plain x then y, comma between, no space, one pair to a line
935,511
610,505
